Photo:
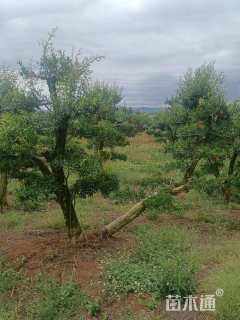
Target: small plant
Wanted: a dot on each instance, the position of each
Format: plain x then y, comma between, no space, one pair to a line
9,279
60,301
28,199
7,312
162,203
208,184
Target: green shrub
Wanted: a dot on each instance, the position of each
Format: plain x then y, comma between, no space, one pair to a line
208,184
28,199
162,203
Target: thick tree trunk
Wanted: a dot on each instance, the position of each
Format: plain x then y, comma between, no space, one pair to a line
65,201
232,163
3,189
226,187
190,170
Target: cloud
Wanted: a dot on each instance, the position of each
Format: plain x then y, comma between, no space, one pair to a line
148,44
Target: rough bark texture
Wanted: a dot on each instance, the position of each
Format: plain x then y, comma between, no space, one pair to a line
232,163
65,201
226,187
190,170
3,189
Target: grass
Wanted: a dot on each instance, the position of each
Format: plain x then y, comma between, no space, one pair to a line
59,301
159,265
227,278
198,253
9,279
42,298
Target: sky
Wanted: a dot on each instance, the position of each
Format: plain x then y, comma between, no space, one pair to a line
147,44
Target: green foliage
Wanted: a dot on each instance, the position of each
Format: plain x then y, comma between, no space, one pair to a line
199,84
160,265
166,124
93,178
17,139
60,301
208,184
13,97
7,312
162,203
101,123
197,126
9,279
47,143
28,199
128,194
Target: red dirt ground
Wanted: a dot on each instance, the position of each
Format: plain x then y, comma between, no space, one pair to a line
50,251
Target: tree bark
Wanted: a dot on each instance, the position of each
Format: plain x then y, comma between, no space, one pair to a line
117,224
190,170
179,189
65,201
63,195
3,189
226,186
232,163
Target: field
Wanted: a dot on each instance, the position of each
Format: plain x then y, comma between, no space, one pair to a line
195,239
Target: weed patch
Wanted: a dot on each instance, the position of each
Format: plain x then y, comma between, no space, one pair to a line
159,266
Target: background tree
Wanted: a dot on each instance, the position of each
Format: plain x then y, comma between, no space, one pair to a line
232,178
14,98
196,122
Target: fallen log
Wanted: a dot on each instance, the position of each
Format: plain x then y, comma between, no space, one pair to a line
179,189
116,225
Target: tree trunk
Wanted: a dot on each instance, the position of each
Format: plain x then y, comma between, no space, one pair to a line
3,189
232,163
65,201
226,187
117,224
190,170
179,189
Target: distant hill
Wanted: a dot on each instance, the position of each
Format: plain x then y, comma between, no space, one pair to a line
149,109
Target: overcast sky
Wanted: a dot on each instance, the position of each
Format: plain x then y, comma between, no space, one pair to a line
147,44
